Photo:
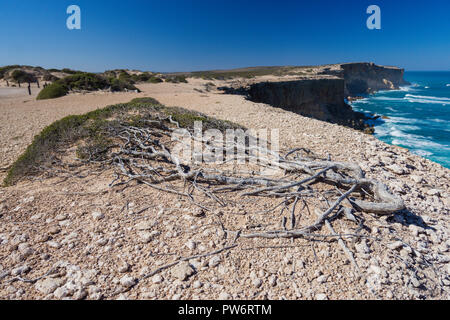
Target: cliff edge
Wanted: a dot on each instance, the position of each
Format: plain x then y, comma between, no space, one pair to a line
320,92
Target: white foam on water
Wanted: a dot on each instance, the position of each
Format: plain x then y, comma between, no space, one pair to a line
381,98
428,97
409,88
422,153
414,141
447,85
401,120
437,120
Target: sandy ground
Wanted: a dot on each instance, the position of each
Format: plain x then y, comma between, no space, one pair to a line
56,221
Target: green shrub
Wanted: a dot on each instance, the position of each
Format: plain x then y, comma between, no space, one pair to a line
50,77
70,71
125,77
83,81
93,128
176,79
120,85
54,90
146,100
155,80
22,76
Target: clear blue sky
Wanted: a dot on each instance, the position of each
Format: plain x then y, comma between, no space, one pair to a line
178,35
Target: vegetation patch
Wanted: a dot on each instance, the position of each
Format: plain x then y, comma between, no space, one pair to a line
176,79
84,82
92,132
54,90
248,73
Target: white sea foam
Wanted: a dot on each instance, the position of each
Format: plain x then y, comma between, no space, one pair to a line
407,88
414,141
381,98
401,120
427,99
437,120
422,153
447,85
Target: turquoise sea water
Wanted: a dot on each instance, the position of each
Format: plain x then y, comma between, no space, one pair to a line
418,115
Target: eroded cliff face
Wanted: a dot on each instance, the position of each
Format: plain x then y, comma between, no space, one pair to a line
321,94
321,99
364,78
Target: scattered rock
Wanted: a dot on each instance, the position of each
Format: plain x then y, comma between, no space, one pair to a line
144,225
61,292
321,296
157,279
273,281
322,279
20,270
396,169
191,244
176,296
198,212
434,192
257,282
214,261
54,230
182,271
97,215
47,286
54,244
224,296
416,179
123,267
395,245
362,247
128,281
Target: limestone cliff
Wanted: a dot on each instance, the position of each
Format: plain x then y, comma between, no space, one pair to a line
321,99
364,78
321,93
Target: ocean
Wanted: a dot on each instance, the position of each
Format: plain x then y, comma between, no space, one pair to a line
417,117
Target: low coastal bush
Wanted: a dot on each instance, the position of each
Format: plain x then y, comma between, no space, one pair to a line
6,69
70,71
93,128
83,82
21,76
52,91
146,100
50,77
155,80
176,79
